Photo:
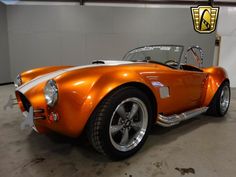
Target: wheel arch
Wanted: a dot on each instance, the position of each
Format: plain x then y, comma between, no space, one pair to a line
141,86
97,128
226,80
144,88
215,107
216,77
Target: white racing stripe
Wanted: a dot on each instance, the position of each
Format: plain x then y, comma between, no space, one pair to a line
27,86
24,88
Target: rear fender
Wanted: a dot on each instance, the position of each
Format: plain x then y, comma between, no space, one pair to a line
216,76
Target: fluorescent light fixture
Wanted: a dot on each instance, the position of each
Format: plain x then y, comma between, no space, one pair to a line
22,2
136,5
18,2
9,2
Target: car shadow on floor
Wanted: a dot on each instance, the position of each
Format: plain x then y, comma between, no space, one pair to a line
58,153
164,135
59,144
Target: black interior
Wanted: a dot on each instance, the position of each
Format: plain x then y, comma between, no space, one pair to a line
174,65
170,63
190,68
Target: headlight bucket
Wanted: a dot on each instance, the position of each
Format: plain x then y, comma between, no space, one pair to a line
51,93
18,81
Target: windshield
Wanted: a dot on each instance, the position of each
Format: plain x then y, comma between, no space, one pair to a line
164,54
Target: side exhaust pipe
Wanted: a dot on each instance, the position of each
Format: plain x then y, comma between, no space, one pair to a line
168,121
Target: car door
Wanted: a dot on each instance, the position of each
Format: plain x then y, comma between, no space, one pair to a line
184,90
193,83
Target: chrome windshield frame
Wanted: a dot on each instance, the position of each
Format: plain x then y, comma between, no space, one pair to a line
160,45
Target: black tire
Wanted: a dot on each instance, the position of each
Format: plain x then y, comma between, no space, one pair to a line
215,108
99,123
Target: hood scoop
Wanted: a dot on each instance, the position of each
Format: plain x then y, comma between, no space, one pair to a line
111,62
98,62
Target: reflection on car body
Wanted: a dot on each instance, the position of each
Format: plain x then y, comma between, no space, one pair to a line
116,102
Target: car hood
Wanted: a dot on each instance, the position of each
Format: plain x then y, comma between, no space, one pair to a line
40,79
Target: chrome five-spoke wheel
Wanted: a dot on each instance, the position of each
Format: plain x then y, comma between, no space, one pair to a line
128,124
121,123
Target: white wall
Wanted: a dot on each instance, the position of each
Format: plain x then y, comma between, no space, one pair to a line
4,53
227,30
75,35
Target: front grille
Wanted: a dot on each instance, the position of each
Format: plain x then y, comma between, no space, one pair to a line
25,102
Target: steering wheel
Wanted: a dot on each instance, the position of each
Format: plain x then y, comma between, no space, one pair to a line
147,59
171,63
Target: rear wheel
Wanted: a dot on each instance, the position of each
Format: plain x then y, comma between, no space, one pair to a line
121,123
221,101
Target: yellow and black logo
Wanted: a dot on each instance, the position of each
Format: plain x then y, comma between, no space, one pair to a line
205,18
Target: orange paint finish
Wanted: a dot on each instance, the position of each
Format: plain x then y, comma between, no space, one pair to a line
184,93
216,76
31,74
81,91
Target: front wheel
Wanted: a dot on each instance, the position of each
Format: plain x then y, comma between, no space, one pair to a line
221,101
121,123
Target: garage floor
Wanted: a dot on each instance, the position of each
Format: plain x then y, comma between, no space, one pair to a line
205,146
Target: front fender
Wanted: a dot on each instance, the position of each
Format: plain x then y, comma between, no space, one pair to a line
77,103
105,85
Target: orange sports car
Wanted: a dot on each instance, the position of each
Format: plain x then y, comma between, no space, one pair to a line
117,102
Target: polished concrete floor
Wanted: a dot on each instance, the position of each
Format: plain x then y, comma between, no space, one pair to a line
202,147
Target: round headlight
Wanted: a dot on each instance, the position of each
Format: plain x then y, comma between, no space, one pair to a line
18,81
51,93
